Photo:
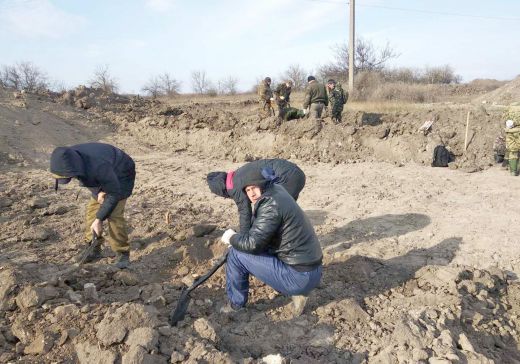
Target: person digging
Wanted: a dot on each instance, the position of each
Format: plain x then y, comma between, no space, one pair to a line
280,248
231,184
109,174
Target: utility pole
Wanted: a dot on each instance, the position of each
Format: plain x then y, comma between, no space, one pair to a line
351,47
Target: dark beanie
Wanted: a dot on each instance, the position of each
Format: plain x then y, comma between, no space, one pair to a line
311,78
217,183
254,177
267,79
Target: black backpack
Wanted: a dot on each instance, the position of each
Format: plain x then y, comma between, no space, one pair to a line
441,156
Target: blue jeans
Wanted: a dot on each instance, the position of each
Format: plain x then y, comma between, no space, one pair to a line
270,270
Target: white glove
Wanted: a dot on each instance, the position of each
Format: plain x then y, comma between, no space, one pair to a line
510,124
227,236
305,111
282,97
272,99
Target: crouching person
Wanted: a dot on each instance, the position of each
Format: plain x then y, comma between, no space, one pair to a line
109,174
280,248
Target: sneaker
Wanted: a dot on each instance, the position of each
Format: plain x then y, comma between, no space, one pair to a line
298,305
230,308
93,256
122,260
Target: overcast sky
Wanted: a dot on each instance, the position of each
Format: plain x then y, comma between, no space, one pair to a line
250,39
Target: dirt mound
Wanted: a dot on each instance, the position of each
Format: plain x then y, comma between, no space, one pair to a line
505,95
237,133
33,124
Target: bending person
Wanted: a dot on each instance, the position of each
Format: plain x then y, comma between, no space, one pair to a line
231,184
109,174
280,248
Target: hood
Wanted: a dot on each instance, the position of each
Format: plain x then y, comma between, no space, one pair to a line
217,183
66,162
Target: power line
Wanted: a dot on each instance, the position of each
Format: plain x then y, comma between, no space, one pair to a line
329,2
419,10
439,12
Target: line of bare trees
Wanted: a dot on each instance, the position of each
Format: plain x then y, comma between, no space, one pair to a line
369,59
372,59
202,85
23,76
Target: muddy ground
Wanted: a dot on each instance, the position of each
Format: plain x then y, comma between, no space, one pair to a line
421,263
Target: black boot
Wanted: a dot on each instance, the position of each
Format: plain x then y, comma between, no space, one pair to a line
122,260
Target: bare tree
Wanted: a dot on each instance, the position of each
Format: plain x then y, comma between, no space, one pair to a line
152,87
297,75
23,76
367,58
169,85
103,80
162,85
200,82
227,86
442,74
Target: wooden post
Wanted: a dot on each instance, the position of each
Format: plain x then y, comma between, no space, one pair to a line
467,131
351,47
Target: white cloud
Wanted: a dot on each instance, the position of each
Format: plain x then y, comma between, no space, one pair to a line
38,19
160,5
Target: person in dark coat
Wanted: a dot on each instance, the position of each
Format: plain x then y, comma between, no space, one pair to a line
280,248
109,174
231,184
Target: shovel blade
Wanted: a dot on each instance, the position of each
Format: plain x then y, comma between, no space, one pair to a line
182,306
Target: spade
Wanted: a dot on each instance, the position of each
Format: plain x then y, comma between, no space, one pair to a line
184,300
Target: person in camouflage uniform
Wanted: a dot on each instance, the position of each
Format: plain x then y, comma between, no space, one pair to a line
282,95
499,147
266,96
291,113
512,130
337,98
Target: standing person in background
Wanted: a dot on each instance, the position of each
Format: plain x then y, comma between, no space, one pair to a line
282,96
512,117
266,96
513,145
337,98
316,97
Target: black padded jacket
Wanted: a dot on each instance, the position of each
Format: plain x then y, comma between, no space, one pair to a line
101,168
281,228
290,176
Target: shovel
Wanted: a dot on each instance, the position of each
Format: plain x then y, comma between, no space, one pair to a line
184,300
93,245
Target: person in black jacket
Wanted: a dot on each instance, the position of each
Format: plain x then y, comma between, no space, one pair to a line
280,248
109,173
231,184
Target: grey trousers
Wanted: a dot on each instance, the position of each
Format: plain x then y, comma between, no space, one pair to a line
316,109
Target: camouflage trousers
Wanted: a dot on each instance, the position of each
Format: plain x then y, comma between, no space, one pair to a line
336,111
117,226
266,109
511,155
282,106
